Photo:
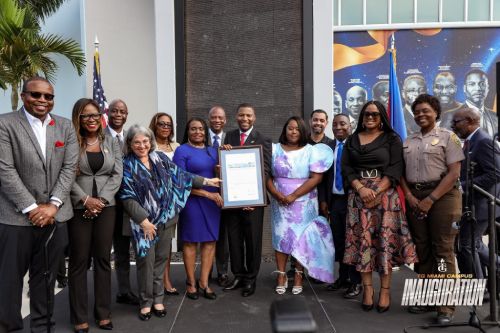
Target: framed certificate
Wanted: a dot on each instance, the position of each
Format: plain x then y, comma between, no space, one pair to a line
242,173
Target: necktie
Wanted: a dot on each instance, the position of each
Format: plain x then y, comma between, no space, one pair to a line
338,168
466,146
242,139
215,142
120,139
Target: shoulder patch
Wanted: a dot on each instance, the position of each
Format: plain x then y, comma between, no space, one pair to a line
455,139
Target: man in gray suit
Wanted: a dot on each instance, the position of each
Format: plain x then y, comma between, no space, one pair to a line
117,117
217,121
38,158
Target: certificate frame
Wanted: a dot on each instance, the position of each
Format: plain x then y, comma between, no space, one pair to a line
237,191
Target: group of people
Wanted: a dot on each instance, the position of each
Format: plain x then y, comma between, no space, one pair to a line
365,199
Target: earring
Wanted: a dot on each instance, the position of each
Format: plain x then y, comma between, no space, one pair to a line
363,125
381,125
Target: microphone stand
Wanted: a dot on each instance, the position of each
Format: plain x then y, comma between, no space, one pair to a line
47,275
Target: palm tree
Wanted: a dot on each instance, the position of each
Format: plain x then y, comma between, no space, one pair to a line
25,51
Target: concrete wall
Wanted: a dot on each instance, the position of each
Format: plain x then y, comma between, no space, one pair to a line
126,32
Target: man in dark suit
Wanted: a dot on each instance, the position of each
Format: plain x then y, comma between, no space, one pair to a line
244,226
38,158
216,123
485,154
333,203
117,117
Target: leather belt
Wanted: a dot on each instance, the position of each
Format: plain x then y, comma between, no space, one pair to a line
370,174
424,186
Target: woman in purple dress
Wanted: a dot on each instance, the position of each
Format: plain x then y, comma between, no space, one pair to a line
200,218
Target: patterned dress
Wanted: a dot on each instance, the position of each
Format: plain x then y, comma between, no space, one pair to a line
297,229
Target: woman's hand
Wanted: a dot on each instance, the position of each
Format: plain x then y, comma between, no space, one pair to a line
94,205
412,201
215,197
214,182
149,229
367,194
289,199
226,147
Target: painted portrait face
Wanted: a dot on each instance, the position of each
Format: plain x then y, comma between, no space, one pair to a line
413,87
476,88
445,88
381,92
337,103
355,98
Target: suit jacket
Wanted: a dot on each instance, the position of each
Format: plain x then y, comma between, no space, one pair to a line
490,118
25,176
480,150
108,179
255,138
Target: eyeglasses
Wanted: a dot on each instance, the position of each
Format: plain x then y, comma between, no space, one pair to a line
141,143
374,115
37,95
456,121
163,124
94,116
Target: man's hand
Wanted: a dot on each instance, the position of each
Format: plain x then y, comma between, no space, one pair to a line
43,215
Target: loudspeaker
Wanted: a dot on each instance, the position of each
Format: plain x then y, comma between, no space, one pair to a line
292,315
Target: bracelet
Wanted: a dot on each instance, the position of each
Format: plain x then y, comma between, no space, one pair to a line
359,187
433,198
85,201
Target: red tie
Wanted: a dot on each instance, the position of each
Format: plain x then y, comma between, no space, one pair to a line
242,139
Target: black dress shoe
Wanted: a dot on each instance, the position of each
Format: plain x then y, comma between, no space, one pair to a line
353,291
145,316
159,313
338,284
248,290
129,299
235,284
222,280
108,326
444,318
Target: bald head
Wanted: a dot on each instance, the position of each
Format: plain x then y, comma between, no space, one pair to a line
465,122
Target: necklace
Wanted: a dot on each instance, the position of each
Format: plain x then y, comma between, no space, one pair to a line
93,143
166,145
196,146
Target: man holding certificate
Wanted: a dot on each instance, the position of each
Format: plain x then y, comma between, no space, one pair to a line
244,225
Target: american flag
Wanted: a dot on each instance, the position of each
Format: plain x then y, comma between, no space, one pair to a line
98,91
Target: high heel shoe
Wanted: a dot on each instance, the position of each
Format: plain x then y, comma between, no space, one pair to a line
145,316
193,295
382,309
160,313
207,294
367,307
106,326
281,289
298,289
81,330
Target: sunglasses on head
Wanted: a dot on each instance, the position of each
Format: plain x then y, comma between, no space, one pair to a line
37,95
374,115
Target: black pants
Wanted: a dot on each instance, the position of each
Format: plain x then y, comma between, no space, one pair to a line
222,250
121,246
338,215
90,239
22,248
245,242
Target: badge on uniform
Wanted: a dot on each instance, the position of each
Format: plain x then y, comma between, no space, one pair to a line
434,141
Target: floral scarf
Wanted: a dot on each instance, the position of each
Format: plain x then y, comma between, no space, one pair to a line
162,191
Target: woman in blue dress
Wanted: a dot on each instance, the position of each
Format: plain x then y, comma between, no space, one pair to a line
297,228
200,218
